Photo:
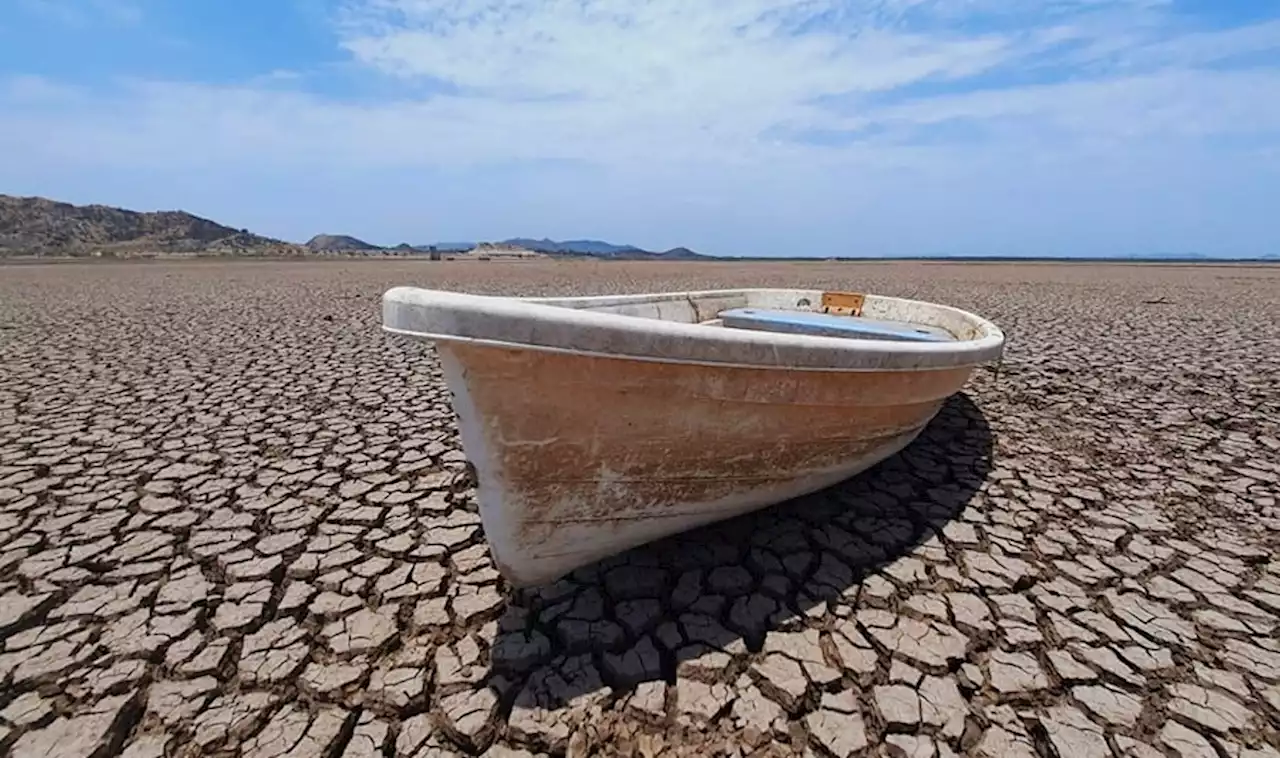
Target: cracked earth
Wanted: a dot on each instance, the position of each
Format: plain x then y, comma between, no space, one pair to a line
235,519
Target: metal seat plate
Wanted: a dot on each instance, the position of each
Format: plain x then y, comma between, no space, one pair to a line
828,325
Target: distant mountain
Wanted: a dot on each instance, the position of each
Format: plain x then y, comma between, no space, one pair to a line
584,248
597,247
39,226
329,243
43,227
573,247
681,253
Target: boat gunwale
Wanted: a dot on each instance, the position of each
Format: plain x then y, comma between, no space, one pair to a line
500,344
568,325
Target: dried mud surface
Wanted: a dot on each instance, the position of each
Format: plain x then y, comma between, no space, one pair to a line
235,520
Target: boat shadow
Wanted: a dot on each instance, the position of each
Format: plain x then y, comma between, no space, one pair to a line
660,611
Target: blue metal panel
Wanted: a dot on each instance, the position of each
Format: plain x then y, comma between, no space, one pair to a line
827,325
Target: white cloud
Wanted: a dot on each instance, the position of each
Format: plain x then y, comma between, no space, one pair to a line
712,98
1167,104
616,49
29,89
626,82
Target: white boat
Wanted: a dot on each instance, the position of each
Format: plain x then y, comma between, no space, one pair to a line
596,424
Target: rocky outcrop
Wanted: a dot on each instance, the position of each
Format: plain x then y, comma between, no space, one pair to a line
40,226
332,243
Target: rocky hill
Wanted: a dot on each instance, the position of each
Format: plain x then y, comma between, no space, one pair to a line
42,227
330,243
39,226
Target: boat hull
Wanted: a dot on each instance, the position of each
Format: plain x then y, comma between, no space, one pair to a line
581,456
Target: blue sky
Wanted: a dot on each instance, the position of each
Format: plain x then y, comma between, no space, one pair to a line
811,127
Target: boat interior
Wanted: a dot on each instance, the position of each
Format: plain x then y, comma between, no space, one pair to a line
816,312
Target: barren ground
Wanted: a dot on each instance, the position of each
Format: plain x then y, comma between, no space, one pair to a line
234,520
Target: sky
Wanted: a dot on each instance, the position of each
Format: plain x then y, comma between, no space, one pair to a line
733,127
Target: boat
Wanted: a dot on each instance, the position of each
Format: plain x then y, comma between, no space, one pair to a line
598,424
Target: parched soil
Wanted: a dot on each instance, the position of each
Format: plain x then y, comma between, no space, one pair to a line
235,519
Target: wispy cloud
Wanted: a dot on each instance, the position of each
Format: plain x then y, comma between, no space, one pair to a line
726,97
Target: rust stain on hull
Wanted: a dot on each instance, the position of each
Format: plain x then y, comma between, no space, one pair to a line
605,443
